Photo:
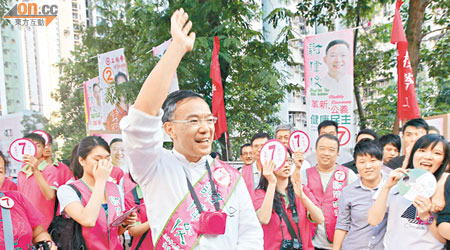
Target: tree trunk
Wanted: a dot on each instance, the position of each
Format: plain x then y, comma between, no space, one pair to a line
414,31
356,87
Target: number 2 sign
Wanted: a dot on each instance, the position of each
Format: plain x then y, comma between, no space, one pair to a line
273,150
299,140
21,147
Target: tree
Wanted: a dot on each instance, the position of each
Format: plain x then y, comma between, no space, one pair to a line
34,121
253,87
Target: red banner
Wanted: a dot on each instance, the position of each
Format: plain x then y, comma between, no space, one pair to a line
218,106
407,106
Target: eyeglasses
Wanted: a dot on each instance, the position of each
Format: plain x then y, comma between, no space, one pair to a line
195,122
290,161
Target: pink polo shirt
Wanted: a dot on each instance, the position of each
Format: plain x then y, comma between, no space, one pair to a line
116,175
25,217
147,243
30,189
273,235
64,172
128,184
8,185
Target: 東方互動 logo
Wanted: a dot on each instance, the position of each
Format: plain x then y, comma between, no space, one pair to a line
33,14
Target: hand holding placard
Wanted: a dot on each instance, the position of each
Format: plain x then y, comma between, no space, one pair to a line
299,141
21,147
273,150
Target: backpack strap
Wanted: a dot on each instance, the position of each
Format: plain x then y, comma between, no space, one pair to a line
141,240
137,201
7,227
75,189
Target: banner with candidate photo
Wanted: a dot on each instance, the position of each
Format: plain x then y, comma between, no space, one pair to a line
93,104
113,69
328,61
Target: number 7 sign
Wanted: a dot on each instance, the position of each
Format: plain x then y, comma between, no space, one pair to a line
21,147
273,150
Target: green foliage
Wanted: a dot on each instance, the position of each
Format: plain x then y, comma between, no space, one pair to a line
253,87
34,121
375,66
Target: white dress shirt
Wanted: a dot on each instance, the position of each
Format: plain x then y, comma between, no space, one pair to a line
162,176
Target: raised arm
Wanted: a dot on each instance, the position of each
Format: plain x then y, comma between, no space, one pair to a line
378,209
314,211
87,215
264,213
47,191
156,86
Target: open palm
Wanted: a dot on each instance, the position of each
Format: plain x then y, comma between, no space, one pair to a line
180,28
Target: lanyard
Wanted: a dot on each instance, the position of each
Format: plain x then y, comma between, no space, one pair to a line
7,227
215,196
295,218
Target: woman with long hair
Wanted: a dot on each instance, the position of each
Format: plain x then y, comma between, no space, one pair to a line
412,221
283,208
101,202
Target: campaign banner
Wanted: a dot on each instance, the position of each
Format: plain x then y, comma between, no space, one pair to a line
113,70
93,100
328,61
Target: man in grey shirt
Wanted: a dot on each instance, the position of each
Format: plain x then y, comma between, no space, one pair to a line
352,228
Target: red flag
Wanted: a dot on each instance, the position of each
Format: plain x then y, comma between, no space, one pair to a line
398,33
218,107
407,106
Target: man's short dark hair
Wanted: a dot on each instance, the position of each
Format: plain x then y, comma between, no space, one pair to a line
418,123
327,123
336,42
243,146
35,137
114,141
368,147
172,99
390,139
328,136
367,131
259,135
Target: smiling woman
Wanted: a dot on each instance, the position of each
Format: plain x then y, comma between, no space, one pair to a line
430,153
412,219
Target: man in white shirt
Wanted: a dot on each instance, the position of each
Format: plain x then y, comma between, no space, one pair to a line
175,219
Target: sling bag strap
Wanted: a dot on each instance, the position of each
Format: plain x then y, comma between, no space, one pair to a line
137,201
215,196
7,227
141,240
289,225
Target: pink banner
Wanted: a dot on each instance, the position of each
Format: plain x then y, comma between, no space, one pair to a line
329,83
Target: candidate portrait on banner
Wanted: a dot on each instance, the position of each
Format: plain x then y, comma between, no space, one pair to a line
329,83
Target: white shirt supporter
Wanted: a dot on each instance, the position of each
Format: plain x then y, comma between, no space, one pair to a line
162,176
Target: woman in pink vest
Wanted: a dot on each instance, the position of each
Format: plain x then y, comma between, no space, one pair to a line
140,231
280,198
101,202
21,223
5,183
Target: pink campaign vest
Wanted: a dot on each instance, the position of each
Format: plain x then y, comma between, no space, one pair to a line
247,174
181,229
328,202
101,236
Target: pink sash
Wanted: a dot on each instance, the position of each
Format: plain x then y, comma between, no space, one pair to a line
181,230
